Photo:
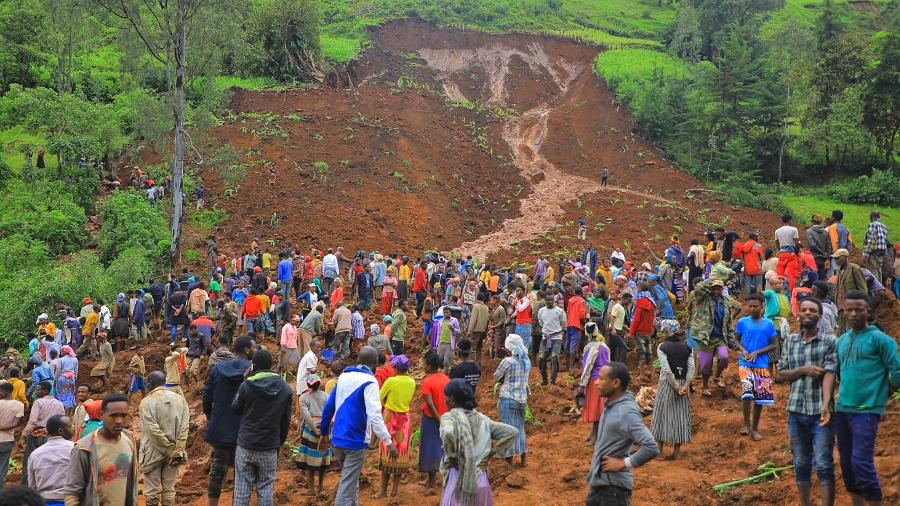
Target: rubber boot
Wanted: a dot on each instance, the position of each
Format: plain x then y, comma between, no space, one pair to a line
555,370
542,363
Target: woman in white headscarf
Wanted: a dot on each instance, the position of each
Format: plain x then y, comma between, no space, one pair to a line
513,373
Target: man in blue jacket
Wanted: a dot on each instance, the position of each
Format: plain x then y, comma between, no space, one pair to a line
354,405
221,423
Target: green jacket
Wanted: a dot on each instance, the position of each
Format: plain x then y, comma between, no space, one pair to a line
867,365
702,310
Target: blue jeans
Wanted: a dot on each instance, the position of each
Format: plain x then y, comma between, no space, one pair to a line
856,435
811,445
524,332
184,334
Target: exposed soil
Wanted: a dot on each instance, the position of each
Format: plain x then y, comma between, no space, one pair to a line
536,171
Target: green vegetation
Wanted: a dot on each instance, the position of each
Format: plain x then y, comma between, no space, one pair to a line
340,49
856,217
208,219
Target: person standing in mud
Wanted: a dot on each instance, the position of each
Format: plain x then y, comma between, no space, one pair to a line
604,176
611,476
808,356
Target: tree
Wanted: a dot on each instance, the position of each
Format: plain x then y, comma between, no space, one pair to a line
23,48
165,27
789,51
283,40
716,15
67,29
881,96
687,40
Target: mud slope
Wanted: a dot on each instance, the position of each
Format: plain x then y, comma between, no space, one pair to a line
567,128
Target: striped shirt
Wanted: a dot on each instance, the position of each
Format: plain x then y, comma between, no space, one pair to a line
806,392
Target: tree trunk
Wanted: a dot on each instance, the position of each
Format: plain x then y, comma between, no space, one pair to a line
178,110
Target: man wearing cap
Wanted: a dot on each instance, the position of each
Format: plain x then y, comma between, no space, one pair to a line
711,326
86,308
849,277
289,357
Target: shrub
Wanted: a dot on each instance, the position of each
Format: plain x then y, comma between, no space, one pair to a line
881,188
130,221
208,219
43,211
321,165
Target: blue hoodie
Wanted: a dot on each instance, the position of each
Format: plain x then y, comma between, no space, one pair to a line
224,380
353,407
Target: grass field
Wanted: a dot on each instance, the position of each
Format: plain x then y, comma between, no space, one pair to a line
856,217
12,141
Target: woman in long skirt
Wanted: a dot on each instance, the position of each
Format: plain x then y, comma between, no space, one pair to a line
309,457
433,407
596,355
396,397
513,374
466,436
672,410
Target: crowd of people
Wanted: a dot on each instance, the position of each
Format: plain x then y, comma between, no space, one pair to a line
346,328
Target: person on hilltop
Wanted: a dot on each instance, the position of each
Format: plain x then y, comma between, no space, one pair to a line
808,356
611,476
868,367
264,403
351,415
165,418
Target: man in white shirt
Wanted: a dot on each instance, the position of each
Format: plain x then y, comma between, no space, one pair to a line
48,465
788,238
330,270
553,324
11,413
308,365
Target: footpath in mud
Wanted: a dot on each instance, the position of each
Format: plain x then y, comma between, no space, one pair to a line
492,146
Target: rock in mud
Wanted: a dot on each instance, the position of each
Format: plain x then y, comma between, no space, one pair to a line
516,480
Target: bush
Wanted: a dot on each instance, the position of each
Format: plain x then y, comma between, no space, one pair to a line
43,211
208,219
882,188
129,221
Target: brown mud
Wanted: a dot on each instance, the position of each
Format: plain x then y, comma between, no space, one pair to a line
534,173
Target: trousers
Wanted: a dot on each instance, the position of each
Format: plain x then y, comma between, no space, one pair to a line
856,435
352,462
254,467
159,483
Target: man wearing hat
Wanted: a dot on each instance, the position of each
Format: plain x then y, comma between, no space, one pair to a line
849,277
86,308
711,326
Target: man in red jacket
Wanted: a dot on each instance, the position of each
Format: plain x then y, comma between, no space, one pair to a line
752,255
643,324
420,286
576,317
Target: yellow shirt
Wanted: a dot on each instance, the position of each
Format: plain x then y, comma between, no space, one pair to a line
19,391
405,273
550,275
397,393
329,386
266,302
267,261
91,322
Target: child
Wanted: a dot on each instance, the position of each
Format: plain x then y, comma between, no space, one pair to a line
756,337
466,369
137,369
384,371
337,368
309,457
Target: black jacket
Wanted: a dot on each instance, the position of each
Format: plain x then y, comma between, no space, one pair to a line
263,401
221,387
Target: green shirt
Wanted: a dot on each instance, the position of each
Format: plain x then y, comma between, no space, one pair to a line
867,364
398,325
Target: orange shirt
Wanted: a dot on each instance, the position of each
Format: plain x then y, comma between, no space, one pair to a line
576,313
253,307
494,284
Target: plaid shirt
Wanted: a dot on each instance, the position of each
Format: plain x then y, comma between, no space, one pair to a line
514,376
806,392
876,237
357,325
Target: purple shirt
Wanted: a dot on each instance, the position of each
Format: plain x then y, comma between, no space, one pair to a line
602,358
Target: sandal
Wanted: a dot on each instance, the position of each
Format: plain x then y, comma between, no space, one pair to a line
707,393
